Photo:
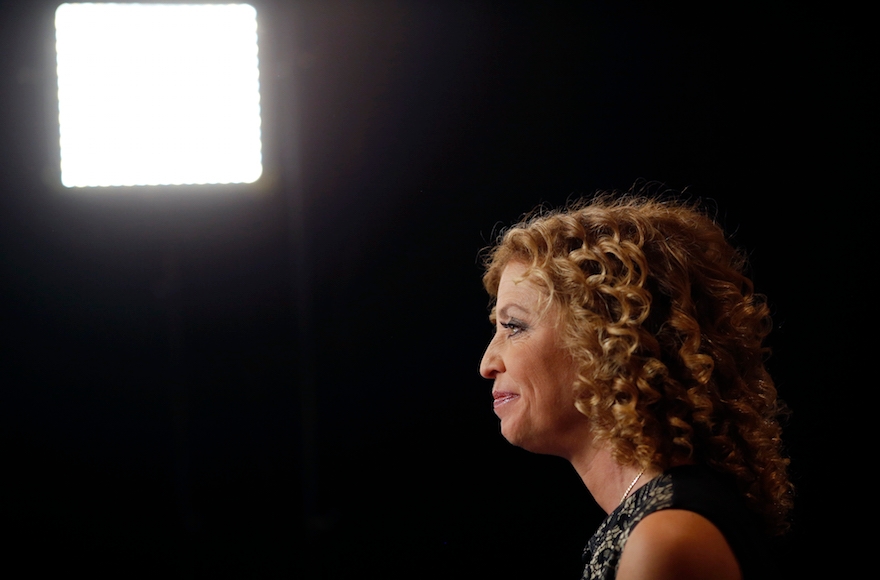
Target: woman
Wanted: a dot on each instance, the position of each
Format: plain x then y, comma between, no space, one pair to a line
629,342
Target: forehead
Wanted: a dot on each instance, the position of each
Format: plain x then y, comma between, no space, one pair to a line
516,289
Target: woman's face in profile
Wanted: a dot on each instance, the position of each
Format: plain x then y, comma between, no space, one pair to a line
532,374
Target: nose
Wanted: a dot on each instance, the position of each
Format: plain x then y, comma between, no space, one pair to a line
492,364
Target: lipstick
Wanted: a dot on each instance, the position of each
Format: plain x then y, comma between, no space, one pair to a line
502,398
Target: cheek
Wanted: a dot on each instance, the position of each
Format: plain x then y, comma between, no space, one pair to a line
545,390
560,385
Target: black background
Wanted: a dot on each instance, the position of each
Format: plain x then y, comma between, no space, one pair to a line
281,380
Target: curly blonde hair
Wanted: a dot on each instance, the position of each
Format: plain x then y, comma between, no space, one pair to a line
667,333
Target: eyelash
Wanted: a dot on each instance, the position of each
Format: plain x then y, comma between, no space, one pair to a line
513,326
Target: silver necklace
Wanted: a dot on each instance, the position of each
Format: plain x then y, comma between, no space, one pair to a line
629,489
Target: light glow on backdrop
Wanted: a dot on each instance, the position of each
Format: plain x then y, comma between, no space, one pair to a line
158,94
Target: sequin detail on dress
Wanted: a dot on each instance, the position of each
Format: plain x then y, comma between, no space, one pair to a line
602,554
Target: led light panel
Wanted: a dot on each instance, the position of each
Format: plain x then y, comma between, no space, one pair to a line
158,94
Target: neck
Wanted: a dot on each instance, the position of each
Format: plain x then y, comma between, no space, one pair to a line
606,479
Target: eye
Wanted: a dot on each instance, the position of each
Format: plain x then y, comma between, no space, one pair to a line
513,327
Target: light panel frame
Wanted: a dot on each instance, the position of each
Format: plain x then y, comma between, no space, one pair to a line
158,94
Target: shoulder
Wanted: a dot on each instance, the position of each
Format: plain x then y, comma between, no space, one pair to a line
677,544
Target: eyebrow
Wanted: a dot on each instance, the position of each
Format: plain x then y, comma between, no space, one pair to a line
504,312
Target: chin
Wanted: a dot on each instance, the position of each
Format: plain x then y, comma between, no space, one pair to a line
530,442
518,439
510,433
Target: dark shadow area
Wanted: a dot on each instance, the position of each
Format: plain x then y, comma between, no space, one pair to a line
281,381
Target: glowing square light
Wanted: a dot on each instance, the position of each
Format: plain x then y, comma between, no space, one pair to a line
158,94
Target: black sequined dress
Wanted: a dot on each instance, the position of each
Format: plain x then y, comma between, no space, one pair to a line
693,488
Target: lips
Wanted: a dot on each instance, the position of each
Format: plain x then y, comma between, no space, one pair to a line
502,398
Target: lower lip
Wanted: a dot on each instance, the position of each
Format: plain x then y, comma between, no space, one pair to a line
504,400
